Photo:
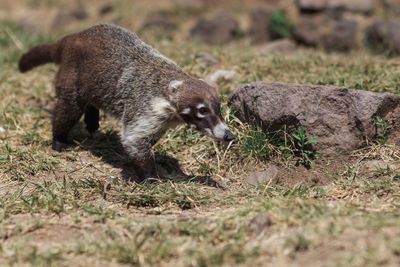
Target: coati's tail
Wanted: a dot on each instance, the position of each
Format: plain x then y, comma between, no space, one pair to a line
38,55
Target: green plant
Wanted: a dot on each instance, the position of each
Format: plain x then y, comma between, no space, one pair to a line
382,131
258,142
302,147
280,25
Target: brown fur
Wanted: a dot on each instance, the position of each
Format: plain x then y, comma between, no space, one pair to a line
109,68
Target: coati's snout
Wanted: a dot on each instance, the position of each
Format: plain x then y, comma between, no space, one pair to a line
201,110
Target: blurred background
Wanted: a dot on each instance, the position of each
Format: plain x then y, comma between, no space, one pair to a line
273,25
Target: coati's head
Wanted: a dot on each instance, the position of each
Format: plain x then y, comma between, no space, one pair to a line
198,105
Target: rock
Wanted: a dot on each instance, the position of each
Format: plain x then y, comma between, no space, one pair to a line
206,58
311,6
342,37
357,6
220,76
259,223
259,25
65,17
262,177
282,45
79,12
106,9
220,29
309,29
392,7
332,32
375,165
158,23
384,36
341,119
195,4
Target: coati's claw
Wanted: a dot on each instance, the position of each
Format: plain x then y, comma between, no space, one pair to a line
152,180
61,146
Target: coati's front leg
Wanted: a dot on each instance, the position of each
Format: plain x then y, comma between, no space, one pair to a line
141,155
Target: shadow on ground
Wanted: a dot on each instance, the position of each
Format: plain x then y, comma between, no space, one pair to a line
108,147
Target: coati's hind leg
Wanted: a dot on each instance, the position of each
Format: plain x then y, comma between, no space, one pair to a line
66,114
92,119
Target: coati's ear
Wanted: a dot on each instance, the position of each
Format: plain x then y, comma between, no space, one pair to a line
172,89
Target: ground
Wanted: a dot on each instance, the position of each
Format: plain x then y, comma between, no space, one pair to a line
61,209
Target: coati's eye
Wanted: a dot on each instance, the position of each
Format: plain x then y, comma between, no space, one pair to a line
203,110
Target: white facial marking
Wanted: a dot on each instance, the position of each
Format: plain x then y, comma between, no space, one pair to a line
186,111
208,131
219,130
193,126
199,106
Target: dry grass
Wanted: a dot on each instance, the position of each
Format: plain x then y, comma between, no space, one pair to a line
59,208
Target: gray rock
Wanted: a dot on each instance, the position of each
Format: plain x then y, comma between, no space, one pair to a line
310,29
221,76
262,177
79,12
259,223
106,9
357,6
375,165
278,46
341,119
192,4
64,17
161,23
330,31
311,6
384,36
219,29
392,7
259,25
342,37
206,58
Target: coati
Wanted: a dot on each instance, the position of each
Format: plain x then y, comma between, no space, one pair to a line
109,68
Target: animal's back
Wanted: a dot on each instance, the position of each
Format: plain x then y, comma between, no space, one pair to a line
113,64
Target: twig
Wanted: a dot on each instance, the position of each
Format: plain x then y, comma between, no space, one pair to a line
14,38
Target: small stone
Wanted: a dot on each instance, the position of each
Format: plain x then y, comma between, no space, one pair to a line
342,37
259,223
374,165
161,23
79,12
107,8
311,6
259,25
220,76
278,46
207,58
262,177
384,36
219,29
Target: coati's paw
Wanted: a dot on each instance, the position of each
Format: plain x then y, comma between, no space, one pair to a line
152,180
61,146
